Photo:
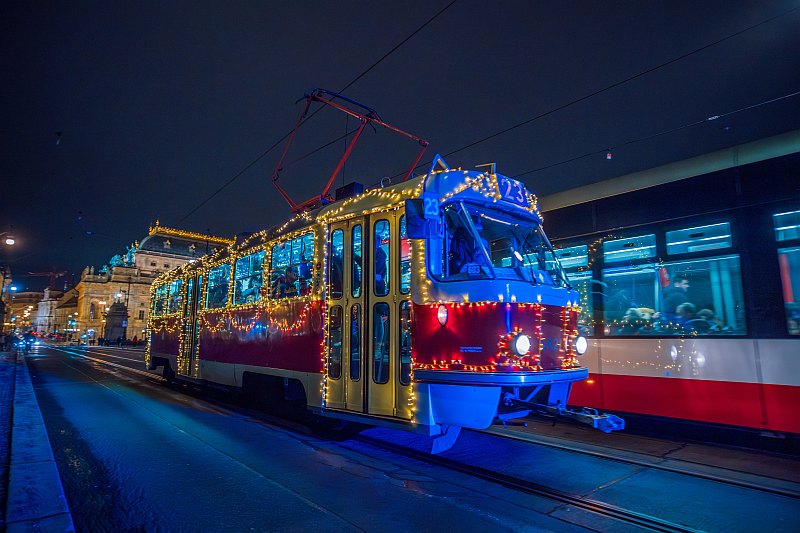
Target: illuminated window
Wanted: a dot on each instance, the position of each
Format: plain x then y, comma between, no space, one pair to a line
691,297
405,342
380,342
189,296
405,258
292,267
629,249
218,284
336,265
248,278
575,261
159,300
787,226
789,261
335,342
355,342
175,297
382,240
699,239
355,257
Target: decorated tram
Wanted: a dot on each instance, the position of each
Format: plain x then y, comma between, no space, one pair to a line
433,304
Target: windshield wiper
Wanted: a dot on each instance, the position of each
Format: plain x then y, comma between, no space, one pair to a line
478,239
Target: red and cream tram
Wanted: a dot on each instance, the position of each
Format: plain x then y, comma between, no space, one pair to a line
433,304
689,277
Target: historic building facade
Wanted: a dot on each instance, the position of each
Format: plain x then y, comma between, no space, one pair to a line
81,312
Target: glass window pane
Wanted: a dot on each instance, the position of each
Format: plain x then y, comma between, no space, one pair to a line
292,267
700,297
405,258
335,343
217,288
573,257
789,261
699,239
355,342
629,249
355,267
248,278
381,264
787,225
159,299
175,299
582,282
380,343
336,264
405,342
189,296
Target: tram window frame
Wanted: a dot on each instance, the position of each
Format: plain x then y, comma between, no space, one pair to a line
385,278
686,240
356,260
336,266
577,274
378,367
254,277
404,261
792,308
648,239
174,304
335,351
212,284
160,299
404,370
786,233
300,252
355,342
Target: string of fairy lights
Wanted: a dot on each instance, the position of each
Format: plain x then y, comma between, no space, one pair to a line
292,315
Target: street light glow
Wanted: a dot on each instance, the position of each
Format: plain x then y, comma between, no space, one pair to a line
10,240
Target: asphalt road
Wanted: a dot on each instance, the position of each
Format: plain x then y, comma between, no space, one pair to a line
135,454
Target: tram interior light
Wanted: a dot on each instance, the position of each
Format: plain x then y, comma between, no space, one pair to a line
441,314
581,344
522,344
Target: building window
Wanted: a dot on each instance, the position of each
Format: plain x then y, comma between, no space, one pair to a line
166,265
153,264
141,315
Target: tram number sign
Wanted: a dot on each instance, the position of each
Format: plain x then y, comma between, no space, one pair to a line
430,206
512,191
473,270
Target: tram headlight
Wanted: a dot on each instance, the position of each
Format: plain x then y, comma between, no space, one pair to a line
441,314
522,344
581,344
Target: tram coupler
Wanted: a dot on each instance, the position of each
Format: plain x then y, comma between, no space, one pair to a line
586,415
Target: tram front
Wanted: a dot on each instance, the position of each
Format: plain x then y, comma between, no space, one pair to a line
495,321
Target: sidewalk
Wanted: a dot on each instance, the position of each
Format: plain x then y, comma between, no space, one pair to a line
31,495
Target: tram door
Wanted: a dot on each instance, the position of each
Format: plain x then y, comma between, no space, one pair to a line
191,326
368,321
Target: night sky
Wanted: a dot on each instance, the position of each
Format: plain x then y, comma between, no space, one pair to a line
159,104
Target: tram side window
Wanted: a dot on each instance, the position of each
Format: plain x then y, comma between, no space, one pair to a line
405,342
789,261
335,342
175,298
336,265
380,342
575,261
160,299
381,265
217,286
355,342
356,265
248,277
189,297
405,258
690,297
292,267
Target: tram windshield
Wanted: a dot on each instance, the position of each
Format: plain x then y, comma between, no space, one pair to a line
483,243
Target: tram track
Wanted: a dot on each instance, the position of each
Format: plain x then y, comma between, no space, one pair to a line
656,462
596,507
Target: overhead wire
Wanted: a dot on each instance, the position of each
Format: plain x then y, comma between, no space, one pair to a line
279,141
659,134
608,87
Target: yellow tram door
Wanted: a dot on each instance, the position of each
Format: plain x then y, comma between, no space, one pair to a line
188,346
388,341
345,301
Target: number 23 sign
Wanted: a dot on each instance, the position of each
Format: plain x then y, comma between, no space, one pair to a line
512,191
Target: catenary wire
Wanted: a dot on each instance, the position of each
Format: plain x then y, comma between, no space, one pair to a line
279,141
659,134
607,88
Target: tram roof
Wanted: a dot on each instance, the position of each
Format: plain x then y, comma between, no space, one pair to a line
743,154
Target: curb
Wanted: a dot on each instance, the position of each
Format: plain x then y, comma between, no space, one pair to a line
36,500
